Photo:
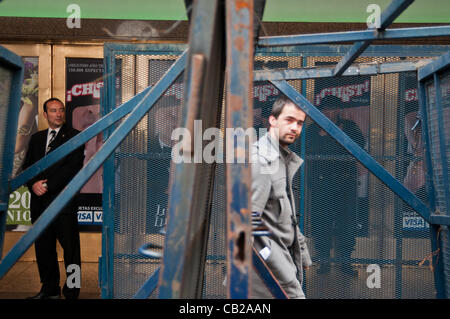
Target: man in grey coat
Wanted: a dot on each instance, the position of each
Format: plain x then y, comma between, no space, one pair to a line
273,168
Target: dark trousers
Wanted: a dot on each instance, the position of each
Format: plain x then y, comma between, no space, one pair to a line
64,229
329,226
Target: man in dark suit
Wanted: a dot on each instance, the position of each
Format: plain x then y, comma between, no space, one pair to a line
332,176
44,188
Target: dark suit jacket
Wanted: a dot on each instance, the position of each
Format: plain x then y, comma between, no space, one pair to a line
58,175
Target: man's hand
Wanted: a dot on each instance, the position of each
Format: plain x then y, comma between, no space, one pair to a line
40,187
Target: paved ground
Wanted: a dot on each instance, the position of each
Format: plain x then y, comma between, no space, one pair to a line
23,281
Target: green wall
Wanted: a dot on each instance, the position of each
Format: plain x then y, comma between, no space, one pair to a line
421,11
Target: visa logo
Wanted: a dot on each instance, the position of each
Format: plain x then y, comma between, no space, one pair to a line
85,216
98,217
414,222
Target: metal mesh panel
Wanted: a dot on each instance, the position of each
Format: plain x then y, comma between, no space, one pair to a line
350,217
439,135
445,94
435,139
445,237
445,120
214,284
142,164
356,225
365,242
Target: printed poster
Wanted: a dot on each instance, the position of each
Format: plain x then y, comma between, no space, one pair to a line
84,81
19,201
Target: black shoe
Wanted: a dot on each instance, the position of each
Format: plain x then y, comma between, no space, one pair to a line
42,295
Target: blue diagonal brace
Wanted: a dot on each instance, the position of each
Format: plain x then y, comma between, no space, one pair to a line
325,72
395,8
189,213
149,286
360,154
92,166
353,36
13,63
266,275
239,114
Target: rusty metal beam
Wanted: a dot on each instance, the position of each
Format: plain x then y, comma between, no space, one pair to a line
239,115
182,270
359,69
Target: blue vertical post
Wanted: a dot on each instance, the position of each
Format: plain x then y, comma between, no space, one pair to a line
439,277
12,63
107,262
302,170
189,207
436,240
442,139
398,211
302,155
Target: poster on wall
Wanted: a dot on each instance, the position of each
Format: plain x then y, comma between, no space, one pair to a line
414,170
345,102
18,217
84,80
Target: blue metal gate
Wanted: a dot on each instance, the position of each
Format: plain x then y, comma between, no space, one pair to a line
11,77
434,88
364,199
136,175
366,229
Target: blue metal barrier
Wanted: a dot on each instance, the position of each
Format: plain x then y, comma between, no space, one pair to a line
366,35
434,114
11,71
191,204
86,172
149,285
354,149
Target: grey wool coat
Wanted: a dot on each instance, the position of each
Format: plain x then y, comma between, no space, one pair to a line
285,250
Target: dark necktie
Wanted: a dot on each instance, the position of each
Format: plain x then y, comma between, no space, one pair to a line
53,134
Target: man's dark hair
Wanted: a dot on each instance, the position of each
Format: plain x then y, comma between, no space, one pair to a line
52,99
279,104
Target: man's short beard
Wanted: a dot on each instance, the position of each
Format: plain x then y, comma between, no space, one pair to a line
283,142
